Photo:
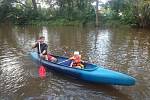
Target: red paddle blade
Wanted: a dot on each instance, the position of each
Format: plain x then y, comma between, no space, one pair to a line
42,71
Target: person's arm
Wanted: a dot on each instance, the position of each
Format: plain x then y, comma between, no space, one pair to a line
44,51
71,58
34,46
81,60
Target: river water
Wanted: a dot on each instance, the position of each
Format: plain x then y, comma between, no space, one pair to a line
121,49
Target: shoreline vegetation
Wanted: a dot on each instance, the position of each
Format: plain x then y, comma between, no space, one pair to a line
60,22
113,13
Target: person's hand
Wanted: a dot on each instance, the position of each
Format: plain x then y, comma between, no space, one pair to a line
71,58
41,55
38,41
84,61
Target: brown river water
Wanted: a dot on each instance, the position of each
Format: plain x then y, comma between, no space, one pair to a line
121,49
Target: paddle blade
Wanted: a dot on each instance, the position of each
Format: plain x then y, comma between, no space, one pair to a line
42,71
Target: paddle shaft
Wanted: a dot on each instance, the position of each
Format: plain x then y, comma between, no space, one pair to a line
64,61
40,51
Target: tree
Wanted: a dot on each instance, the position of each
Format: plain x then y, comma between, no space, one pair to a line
34,5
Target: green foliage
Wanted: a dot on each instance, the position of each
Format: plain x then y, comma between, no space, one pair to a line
75,12
133,12
68,12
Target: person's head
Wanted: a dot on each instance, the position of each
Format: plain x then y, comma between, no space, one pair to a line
42,39
76,53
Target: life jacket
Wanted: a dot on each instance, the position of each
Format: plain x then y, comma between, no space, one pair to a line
77,60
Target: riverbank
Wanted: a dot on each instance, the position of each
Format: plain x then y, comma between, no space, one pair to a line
59,22
65,22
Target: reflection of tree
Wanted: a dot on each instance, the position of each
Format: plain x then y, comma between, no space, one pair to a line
96,35
7,36
98,45
67,38
26,35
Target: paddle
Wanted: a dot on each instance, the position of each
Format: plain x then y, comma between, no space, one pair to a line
63,61
42,71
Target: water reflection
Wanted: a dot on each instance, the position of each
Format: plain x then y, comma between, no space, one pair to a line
126,50
99,42
45,33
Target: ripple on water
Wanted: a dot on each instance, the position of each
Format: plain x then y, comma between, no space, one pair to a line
11,72
56,87
126,50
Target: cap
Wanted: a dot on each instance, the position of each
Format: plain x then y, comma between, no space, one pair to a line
76,52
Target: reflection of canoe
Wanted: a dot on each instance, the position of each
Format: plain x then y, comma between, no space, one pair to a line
91,73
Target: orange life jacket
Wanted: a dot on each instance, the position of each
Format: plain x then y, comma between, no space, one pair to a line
76,60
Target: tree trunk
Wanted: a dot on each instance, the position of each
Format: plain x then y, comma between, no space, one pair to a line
34,5
97,2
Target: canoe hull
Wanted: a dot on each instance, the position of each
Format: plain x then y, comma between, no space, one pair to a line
97,74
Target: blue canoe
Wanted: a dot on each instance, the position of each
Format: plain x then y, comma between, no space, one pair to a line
91,73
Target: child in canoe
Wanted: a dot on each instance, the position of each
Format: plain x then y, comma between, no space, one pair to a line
76,60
